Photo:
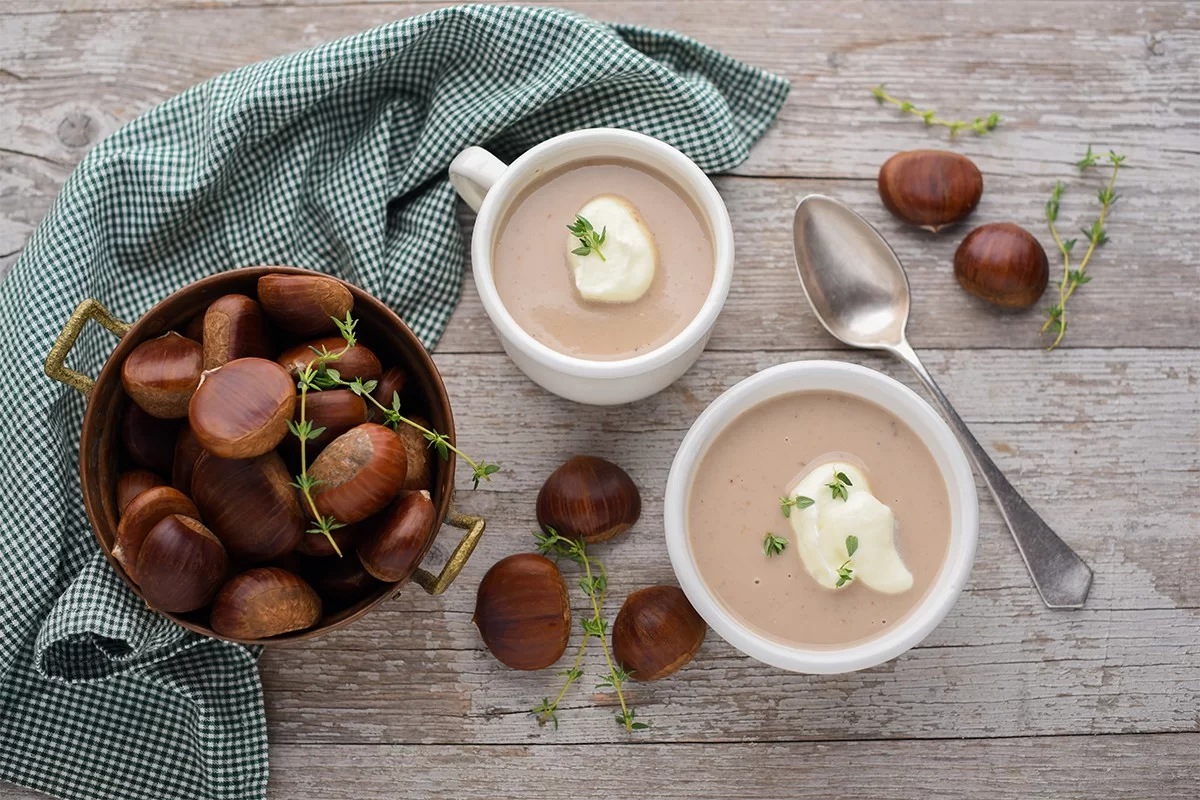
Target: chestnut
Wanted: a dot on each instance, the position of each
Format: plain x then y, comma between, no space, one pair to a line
394,543
419,455
588,498
304,304
250,505
143,513
234,328
149,441
187,451
263,602
356,362
930,188
1003,264
242,409
132,483
391,382
161,374
359,473
194,330
335,410
181,565
656,632
316,545
522,611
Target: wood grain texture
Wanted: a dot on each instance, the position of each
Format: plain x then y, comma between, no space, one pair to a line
1005,698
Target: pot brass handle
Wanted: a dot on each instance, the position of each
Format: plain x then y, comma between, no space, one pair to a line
473,525
56,366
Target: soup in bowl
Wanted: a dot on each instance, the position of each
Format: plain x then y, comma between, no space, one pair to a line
821,517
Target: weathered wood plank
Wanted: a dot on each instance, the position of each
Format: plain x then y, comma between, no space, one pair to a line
77,76
1001,664
1060,767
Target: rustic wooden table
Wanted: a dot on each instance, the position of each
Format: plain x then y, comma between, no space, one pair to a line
1005,699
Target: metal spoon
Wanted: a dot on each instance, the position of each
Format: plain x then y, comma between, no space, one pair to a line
859,292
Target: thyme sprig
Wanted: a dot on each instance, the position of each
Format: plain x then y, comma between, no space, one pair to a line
980,125
594,584
786,504
589,240
773,545
845,572
838,487
318,376
1072,279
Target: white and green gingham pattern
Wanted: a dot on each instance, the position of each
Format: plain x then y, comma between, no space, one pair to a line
333,158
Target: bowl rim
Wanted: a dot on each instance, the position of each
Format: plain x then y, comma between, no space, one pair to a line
897,399
150,325
630,145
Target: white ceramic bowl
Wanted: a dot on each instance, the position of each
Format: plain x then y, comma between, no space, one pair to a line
489,186
917,414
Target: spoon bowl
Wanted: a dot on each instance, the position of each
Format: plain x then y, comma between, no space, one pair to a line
857,288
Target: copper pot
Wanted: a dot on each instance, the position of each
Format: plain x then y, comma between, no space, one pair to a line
99,448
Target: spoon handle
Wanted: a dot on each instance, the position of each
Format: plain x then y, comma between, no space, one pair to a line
1061,577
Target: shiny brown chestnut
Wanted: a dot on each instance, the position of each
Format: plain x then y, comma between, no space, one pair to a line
419,455
523,612
264,602
241,410
304,304
194,330
656,632
250,504
181,565
143,513
161,374
132,483
234,327
930,188
187,452
335,410
149,441
356,362
1003,264
391,382
359,473
393,544
588,498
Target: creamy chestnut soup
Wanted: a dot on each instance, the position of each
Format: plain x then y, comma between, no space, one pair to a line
643,283
856,509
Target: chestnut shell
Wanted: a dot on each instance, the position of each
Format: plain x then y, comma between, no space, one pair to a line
234,327
161,374
241,410
264,602
1003,264
656,632
335,410
394,542
304,304
523,612
930,188
181,565
149,441
588,498
356,362
187,452
359,473
142,514
250,505
419,455
132,483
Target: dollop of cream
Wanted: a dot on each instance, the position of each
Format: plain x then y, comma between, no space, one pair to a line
630,253
822,529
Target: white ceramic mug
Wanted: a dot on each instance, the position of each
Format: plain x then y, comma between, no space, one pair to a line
896,398
490,186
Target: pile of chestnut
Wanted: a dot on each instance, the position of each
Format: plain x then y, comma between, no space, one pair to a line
523,610
210,515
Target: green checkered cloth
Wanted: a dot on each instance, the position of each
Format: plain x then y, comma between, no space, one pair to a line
333,158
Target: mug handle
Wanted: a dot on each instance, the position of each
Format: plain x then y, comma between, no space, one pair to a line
472,173
436,584
56,367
